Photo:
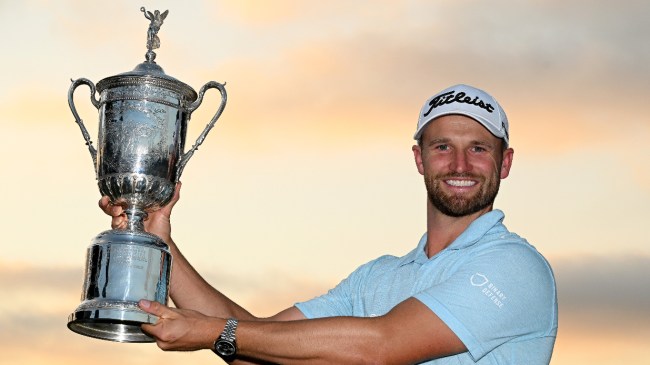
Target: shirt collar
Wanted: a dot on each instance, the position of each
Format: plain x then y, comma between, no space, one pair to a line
417,255
488,222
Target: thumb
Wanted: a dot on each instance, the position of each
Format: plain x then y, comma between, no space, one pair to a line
155,308
176,196
177,193
167,209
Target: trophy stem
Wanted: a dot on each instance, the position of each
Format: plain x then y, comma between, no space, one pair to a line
135,219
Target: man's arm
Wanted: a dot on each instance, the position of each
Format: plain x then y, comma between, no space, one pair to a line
410,333
188,289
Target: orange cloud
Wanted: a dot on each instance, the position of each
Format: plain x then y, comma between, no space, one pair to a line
262,13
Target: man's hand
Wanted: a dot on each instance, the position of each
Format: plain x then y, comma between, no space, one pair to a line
157,222
181,329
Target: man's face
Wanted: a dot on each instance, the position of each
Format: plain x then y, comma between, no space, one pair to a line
462,164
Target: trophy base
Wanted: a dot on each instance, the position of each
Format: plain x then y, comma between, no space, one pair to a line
122,267
111,324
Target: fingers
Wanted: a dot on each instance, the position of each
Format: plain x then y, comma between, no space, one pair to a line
104,204
163,332
175,197
110,208
179,329
116,210
118,219
155,308
177,192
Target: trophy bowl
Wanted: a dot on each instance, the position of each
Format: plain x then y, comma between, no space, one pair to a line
140,156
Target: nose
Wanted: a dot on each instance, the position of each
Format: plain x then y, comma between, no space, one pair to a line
459,162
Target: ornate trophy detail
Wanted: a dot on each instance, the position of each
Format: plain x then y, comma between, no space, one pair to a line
143,116
153,41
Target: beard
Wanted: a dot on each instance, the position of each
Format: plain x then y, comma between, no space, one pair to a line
459,205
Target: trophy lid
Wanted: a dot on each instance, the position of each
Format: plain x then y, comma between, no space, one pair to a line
149,72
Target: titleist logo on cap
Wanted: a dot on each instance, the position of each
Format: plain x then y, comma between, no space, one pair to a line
450,97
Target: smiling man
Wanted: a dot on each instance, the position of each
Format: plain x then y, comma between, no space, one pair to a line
471,292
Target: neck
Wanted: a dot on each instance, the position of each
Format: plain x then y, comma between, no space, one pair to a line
442,229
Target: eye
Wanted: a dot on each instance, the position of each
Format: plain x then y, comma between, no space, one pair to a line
478,149
441,147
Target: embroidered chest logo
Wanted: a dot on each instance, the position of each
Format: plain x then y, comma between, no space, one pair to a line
496,296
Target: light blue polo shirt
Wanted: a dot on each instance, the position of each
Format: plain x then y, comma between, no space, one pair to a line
490,286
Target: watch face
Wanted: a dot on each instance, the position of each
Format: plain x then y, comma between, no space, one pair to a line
225,348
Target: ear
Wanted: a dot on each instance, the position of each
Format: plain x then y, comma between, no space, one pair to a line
506,162
417,154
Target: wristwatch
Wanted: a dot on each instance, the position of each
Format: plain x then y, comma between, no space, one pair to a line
225,345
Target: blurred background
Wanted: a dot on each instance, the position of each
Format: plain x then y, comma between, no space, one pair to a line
309,172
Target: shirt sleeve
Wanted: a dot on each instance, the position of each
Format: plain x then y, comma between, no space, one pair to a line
499,294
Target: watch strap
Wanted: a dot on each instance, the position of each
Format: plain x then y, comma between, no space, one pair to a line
225,346
228,333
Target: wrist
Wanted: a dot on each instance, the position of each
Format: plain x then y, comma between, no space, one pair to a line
225,345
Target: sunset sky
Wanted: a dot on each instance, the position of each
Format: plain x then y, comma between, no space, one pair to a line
309,172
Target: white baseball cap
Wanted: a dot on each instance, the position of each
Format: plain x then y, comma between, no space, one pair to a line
469,101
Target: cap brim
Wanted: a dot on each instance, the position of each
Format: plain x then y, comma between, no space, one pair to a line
495,132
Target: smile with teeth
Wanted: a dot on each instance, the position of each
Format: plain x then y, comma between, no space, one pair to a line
460,183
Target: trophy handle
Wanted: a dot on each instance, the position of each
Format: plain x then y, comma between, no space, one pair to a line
192,107
84,132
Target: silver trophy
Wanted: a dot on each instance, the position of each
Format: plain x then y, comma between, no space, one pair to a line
143,116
